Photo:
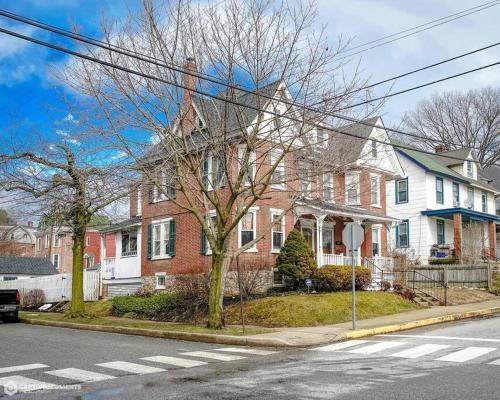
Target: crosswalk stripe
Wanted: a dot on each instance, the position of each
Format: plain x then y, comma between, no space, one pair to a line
18,383
466,354
17,368
374,348
340,346
420,351
245,350
178,362
79,375
496,362
215,356
133,368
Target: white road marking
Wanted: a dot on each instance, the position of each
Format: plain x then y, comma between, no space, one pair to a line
79,375
25,367
133,368
178,362
496,362
245,350
215,356
340,346
466,354
444,338
16,384
374,348
420,351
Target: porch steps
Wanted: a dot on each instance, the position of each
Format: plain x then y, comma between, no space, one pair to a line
424,300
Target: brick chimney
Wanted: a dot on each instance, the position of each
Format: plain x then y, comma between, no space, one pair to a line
189,82
440,148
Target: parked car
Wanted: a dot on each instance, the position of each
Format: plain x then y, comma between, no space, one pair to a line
10,300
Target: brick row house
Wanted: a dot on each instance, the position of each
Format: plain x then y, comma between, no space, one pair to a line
56,244
161,240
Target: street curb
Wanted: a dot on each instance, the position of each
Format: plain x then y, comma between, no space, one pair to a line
193,337
420,323
257,341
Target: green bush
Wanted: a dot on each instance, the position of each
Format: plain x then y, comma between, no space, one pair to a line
152,307
296,259
332,278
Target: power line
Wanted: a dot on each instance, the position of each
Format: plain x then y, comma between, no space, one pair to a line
481,7
182,86
177,68
422,85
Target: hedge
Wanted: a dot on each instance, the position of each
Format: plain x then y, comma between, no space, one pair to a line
331,278
152,307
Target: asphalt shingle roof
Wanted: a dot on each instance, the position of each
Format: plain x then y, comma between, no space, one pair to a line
493,175
122,225
26,266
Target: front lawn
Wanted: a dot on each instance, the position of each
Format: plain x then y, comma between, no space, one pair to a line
296,310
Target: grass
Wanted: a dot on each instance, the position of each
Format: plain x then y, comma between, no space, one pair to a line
99,313
495,283
297,310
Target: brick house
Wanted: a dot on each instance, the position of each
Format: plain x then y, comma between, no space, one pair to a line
56,243
173,244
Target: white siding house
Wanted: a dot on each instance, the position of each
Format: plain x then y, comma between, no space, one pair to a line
434,198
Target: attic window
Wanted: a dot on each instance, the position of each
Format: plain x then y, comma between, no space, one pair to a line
469,169
374,149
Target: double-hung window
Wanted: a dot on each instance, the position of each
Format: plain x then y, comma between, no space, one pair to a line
246,162
375,189
402,191
470,197
129,243
440,231
55,261
328,242
247,229
376,241
470,171
402,234
57,240
352,187
328,186
278,230
278,163
305,178
161,239
439,190
456,194
484,201
213,172
374,149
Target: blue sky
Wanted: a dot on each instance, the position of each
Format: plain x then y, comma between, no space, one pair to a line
27,91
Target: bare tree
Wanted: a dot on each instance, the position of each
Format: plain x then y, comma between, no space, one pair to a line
67,175
214,146
458,120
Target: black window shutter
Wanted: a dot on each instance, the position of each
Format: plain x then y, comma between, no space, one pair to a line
171,238
150,241
203,242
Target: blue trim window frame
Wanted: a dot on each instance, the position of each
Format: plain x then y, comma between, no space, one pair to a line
440,231
456,194
484,201
401,189
439,190
403,234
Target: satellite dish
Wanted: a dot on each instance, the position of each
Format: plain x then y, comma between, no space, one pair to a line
468,203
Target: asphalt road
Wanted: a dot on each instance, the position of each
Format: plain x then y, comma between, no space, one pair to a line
454,361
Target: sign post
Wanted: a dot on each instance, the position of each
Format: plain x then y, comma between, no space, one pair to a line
352,237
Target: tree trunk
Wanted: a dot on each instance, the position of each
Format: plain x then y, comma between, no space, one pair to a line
215,320
77,304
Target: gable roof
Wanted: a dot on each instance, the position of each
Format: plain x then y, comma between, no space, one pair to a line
439,164
492,174
26,266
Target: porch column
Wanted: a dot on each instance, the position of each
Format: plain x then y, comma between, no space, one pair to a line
457,234
492,234
319,239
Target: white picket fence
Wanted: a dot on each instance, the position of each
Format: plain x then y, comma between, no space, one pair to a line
58,287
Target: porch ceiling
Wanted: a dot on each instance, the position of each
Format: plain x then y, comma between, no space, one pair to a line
447,213
319,207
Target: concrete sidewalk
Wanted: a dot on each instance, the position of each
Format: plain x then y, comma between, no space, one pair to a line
313,336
